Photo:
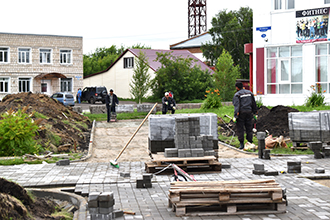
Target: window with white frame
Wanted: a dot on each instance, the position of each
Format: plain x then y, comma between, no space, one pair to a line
24,85
24,55
277,4
128,62
45,55
289,4
284,70
4,55
322,56
4,84
66,85
65,56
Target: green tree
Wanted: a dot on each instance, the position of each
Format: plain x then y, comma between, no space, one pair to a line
230,31
140,83
179,75
103,57
225,76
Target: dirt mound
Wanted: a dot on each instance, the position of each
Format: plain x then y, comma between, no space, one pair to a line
275,121
15,203
60,124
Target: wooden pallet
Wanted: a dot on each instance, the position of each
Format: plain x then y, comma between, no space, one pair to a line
159,161
226,198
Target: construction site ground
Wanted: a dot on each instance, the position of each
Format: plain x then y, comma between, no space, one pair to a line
307,199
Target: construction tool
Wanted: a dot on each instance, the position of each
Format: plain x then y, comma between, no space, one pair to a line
114,162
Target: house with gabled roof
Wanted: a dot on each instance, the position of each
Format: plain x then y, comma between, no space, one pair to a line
119,74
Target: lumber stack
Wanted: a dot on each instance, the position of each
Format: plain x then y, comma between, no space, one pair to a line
226,198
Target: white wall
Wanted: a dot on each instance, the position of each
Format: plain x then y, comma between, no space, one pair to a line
116,78
283,33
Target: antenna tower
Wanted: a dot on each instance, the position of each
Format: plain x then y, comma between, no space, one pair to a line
196,17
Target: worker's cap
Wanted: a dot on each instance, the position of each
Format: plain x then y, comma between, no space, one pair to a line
166,93
111,90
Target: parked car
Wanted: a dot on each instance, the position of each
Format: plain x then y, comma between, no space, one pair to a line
64,97
94,94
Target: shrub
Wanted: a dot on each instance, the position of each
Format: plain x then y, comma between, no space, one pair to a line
17,132
212,100
316,97
258,99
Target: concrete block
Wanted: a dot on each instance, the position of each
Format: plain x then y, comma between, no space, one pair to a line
209,152
125,174
197,152
171,152
271,173
93,210
184,152
147,176
92,204
64,162
139,184
145,108
319,170
117,213
148,185
225,165
106,204
259,166
105,210
258,172
93,196
105,197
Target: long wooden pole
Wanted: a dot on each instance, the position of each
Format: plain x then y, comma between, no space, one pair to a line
129,141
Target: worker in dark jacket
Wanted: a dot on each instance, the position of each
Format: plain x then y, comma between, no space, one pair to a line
245,107
111,101
168,103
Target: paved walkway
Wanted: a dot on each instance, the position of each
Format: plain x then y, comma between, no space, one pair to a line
307,199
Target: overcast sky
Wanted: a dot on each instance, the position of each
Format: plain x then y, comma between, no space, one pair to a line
102,23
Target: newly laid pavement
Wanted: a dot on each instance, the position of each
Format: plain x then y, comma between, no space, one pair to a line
306,198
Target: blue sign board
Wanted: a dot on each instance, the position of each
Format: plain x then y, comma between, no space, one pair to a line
263,35
264,29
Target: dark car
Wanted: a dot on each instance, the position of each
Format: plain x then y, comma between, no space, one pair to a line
94,94
64,97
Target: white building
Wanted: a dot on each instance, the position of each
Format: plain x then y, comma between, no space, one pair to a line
290,50
119,75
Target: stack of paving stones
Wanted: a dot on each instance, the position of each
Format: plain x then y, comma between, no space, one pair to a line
259,169
188,141
145,108
100,205
294,166
162,129
145,182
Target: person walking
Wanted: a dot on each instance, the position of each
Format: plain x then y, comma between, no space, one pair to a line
168,103
79,95
111,101
244,108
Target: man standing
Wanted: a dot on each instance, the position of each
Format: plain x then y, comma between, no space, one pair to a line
168,104
111,101
79,95
245,107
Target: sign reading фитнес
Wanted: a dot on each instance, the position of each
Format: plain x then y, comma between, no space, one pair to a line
312,25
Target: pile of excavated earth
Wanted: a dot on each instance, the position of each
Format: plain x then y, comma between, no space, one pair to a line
272,121
61,128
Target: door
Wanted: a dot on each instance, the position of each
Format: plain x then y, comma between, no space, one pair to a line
46,87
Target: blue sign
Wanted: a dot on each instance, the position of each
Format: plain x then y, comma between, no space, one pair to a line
78,77
263,35
264,29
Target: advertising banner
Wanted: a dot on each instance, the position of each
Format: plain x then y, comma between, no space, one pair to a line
312,25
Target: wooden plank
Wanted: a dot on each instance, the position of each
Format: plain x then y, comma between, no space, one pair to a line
224,190
190,184
213,201
277,195
224,197
180,211
231,209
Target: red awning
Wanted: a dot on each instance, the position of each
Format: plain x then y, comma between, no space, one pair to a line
50,76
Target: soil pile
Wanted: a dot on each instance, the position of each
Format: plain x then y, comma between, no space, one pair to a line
15,203
275,121
60,125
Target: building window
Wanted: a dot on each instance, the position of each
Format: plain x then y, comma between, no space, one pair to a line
289,4
4,55
66,85
24,55
284,70
322,56
277,4
326,1
128,62
4,84
66,56
45,55
24,84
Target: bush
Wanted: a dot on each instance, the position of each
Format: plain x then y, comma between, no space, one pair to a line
212,100
316,98
17,132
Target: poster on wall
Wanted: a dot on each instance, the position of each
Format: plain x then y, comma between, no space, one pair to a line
312,25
